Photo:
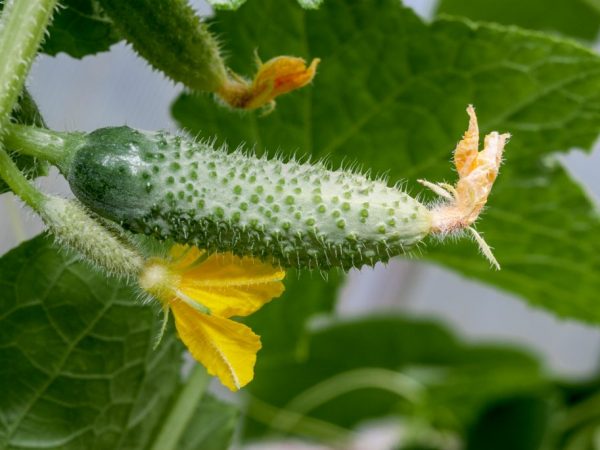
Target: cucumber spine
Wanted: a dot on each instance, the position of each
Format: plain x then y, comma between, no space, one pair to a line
291,213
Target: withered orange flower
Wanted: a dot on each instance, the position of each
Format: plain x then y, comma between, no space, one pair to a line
277,76
477,171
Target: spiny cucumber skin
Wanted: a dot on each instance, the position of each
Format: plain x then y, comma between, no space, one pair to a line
293,214
171,37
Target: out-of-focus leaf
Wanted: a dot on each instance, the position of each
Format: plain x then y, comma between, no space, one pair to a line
577,18
391,93
594,4
578,424
281,323
77,365
79,28
460,379
211,426
515,423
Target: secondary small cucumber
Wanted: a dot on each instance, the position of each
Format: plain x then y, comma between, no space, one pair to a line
295,214
172,38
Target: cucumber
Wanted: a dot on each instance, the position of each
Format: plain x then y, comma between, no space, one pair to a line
290,213
172,38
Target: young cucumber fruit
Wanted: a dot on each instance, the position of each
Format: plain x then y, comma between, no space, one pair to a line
294,214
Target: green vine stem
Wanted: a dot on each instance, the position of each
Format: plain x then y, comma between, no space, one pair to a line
19,184
182,411
22,28
265,413
368,378
52,146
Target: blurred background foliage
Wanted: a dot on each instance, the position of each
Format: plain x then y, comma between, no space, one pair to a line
78,369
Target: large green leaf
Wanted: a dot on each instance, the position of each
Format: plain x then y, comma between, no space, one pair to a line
391,93
77,366
459,379
577,18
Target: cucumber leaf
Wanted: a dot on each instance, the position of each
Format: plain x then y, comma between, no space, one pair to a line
79,28
576,18
444,369
391,93
78,369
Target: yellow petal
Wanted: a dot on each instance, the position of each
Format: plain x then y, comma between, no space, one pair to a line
228,285
226,348
184,255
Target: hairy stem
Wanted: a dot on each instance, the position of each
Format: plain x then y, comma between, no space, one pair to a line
22,28
19,184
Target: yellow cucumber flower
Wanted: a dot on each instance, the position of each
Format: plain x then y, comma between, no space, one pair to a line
203,291
275,77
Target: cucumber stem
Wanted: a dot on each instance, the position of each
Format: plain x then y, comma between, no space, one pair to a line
52,146
22,28
19,184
